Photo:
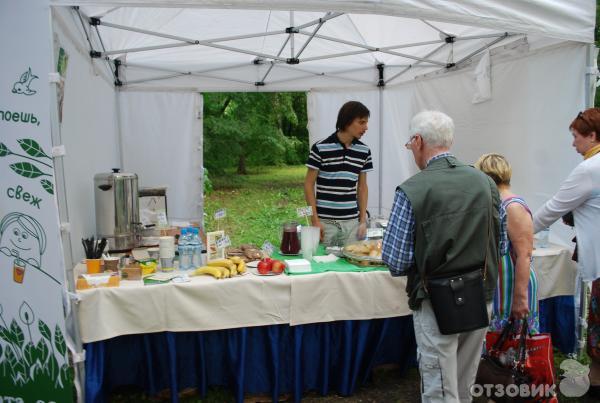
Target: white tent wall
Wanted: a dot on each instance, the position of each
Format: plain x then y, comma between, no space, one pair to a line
534,98
88,130
162,144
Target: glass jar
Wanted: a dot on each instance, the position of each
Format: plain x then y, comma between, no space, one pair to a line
290,243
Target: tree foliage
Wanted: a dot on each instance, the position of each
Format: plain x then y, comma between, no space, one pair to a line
249,129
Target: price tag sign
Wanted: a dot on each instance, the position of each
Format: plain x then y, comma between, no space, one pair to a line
223,242
374,232
304,211
268,248
220,214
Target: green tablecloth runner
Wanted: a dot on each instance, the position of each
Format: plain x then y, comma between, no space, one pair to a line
341,265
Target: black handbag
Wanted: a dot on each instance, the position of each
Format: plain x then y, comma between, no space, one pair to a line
492,371
458,302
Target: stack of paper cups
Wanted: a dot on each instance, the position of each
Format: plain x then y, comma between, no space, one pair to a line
166,251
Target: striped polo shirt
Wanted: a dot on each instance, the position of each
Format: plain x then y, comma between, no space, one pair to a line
337,182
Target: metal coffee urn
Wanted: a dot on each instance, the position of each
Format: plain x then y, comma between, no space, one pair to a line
117,211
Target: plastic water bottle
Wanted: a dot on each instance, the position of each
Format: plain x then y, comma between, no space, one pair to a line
185,261
196,248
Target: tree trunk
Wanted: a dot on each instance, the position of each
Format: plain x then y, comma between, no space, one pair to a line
241,170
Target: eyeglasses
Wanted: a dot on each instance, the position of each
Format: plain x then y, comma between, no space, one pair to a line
581,116
408,144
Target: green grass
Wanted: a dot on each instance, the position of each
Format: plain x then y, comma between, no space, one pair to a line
257,204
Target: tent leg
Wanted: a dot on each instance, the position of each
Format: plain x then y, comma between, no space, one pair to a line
590,85
380,163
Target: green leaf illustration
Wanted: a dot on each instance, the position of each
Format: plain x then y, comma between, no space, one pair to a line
11,358
5,334
38,372
51,367
42,351
32,148
1,350
45,330
26,169
17,333
59,341
47,185
30,354
4,151
66,373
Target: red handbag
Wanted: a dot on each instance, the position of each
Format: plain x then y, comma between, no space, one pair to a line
538,365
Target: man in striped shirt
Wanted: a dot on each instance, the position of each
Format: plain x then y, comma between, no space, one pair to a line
336,182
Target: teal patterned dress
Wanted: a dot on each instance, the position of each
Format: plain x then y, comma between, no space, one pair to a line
506,279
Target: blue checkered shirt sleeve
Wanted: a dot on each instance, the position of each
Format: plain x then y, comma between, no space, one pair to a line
398,250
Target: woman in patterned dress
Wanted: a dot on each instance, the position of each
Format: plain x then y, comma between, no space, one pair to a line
516,294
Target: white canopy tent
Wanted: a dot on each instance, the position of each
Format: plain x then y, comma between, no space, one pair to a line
511,74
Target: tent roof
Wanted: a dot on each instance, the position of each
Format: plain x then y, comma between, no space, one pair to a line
239,45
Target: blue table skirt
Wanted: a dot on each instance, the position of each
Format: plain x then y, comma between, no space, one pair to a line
323,357
558,317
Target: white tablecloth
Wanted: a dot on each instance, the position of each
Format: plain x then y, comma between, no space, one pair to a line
555,271
334,296
250,300
202,304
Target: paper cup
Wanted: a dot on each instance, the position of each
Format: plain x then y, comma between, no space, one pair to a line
111,264
307,242
93,265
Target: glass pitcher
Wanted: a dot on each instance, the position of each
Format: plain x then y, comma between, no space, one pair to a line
290,243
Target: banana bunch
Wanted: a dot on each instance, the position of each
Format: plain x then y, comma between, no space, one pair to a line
222,268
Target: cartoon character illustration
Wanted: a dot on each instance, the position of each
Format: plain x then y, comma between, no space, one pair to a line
23,238
22,86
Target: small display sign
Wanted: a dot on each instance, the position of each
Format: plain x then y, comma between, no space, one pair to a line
268,248
220,214
304,211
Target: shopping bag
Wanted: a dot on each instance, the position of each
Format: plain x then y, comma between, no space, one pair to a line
537,365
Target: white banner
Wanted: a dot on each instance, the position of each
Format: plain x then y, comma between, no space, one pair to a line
33,353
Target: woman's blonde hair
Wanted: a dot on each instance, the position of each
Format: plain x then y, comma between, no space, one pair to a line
496,167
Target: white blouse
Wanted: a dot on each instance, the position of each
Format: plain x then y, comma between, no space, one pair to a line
579,193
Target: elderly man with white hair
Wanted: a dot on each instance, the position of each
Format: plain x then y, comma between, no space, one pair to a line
443,234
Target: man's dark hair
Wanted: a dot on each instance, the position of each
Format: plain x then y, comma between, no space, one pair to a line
350,111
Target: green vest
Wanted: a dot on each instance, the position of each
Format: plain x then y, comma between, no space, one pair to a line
454,206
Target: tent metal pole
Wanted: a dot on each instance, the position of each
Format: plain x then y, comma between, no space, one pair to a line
278,54
143,49
310,38
368,48
319,74
291,35
145,67
119,128
380,176
357,52
167,76
190,40
590,83
72,310
410,67
503,34
327,17
434,27
481,49
412,45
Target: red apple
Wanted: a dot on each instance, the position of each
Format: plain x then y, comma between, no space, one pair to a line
277,266
264,267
